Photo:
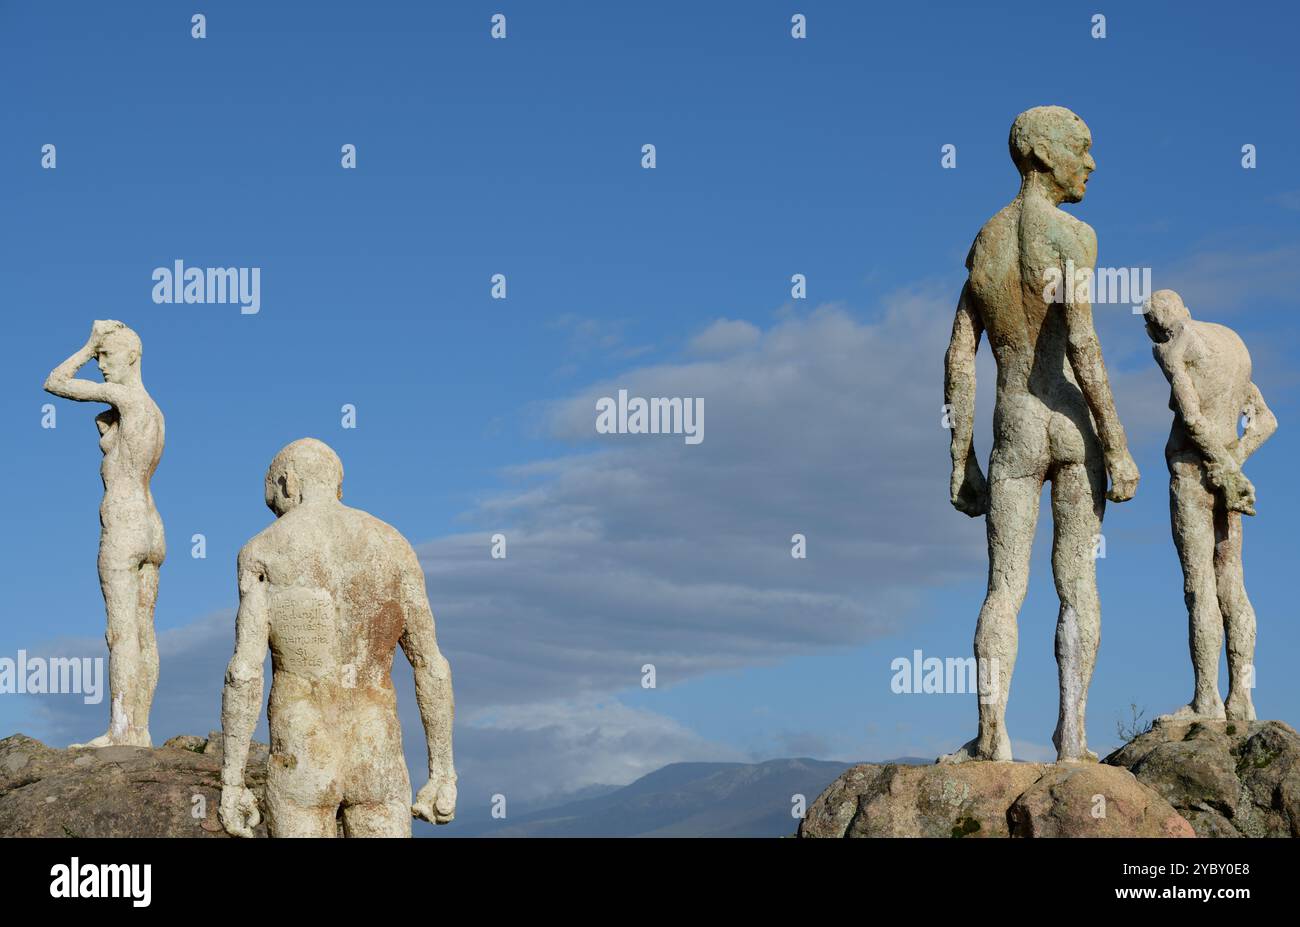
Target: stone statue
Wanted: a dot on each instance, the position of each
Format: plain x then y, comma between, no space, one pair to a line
131,544
332,591
1054,420
1208,368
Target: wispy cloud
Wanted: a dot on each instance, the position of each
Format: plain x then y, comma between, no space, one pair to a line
1218,280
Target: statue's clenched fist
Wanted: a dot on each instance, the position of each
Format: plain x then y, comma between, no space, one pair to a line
239,813
436,802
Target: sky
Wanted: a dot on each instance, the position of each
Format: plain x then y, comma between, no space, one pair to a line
475,416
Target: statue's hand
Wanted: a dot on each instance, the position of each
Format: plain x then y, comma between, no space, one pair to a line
436,802
1238,491
1123,477
968,490
101,328
238,813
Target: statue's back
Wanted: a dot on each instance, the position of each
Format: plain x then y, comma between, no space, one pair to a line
336,604
1041,415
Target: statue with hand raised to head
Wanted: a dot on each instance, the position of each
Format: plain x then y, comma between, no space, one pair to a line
131,542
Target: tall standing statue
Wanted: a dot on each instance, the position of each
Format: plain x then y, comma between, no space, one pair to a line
131,543
1054,419
1208,368
332,591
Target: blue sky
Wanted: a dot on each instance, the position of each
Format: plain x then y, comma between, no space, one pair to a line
522,157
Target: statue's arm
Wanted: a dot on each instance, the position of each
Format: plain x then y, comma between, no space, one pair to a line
1084,352
432,673
959,378
967,488
1260,425
241,700
1222,463
63,381
1187,406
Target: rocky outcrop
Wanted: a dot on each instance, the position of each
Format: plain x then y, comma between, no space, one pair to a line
168,791
1089,800
991,799
1227,778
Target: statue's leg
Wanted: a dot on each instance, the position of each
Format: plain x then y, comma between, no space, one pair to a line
120,586
1012,517
1078,504
386,819
1238,614
290,819
1191,505
140,698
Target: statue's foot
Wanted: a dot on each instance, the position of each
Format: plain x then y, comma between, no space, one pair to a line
963,753
126,739
1194,712
971,750
1074,748
1239,708
103,740
1084,756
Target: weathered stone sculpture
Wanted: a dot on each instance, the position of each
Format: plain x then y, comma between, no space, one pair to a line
1054,420
1208,368
332,591
131,543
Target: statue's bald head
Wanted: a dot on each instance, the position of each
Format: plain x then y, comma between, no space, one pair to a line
1164,313
1053,141
305,471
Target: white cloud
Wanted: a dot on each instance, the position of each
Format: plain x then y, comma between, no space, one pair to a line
725,336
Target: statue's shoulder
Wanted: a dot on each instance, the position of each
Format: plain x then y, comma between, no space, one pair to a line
1074,236
1213,331
261,544
287,531
375,528
1002,224
998,234
254,556
1222,341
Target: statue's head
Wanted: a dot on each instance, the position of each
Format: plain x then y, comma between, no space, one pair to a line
305,471
1053,142
118,352
1165,314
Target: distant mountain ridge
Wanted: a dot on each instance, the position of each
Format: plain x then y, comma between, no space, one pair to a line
683,800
